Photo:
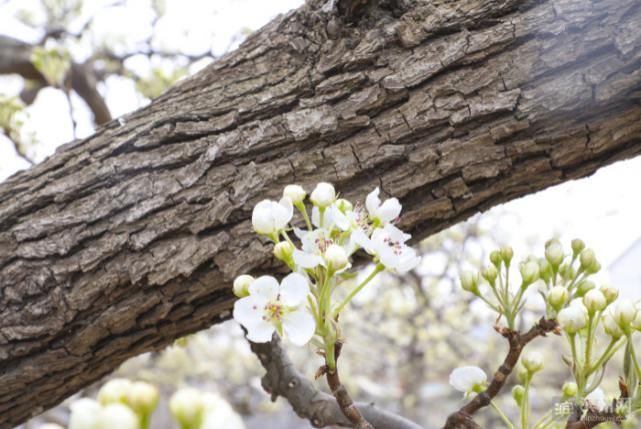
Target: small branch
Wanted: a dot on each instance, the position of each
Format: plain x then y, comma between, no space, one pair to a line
342,396
321,409
594,417
462,417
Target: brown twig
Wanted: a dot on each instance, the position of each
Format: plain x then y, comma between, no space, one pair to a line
342,396
321,409
594,417
517,341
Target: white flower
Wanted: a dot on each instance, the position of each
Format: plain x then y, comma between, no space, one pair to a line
332,217
84,414
271,306
573,318
557,296
115,390
623,313
532,361
610,326
50,426
219,414
187,406
117,416
323,195
336,257
270,217
554,253
597,399
388,244
295,193
468,379
382,213
594,301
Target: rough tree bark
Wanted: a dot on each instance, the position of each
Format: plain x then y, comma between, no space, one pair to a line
121,242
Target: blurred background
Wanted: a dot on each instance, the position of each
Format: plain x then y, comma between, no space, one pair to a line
405,334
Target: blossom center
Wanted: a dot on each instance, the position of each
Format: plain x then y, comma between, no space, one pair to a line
273,312
396,246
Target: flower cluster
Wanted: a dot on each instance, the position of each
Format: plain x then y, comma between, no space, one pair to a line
318,255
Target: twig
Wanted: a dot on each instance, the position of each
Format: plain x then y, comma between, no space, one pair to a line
594,417
321,409
517,341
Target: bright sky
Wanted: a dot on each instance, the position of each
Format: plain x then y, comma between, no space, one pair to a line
604,210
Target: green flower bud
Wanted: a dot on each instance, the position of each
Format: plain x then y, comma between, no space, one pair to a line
529,272
490,273
545,270
336,257
594,301
566,271
570,389
496,258
506,254
577,247
187,407
241,285
587,259
584,287
554,253
470,282
518,392
611,327
344,205
284,250
594,268
573,318
636,323
624,312
610,293
143,398
557,297
532,362
114,391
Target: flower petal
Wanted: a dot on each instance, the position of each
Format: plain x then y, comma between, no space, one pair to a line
362,240
282,212
262,217
316,217
372,202
249,311
299,327
464,378
260,332
339,219
396,234
408,262
306,260
294,289
265,287
389,210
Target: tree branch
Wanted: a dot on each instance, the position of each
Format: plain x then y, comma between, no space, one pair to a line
517,341
321,409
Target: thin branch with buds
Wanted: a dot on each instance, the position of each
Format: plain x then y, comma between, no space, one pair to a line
517,341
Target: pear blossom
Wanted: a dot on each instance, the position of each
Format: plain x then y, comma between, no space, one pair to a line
468,379
383,213
241,285
271,307
115,390
573,318
532,361
388,244
187,407
84,414
313,252
143,397
295,193
117,416
597,399
323,195
270,217
332,217
50,426
219,414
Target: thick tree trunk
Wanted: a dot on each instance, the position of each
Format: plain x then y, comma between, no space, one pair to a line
124,241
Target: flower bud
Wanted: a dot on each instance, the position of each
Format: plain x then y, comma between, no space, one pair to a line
117,416
295,193
344,206
611,327
113,391
566,271
470,282
532,362
570,389
529,272
490,274
554,253
636,323
50,426
573,318
610,293
187,407
545,270
506,254
84,414
518,392
587,259
577,247
336,257
241,285
557,297
143,397
584,287
496,258
594,301
624,312
284,250
323,195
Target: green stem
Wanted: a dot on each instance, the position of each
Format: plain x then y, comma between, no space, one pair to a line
589,339
634,358
330,359
543,421
492,306
301,208
607,354
358,288
502,415
525,404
